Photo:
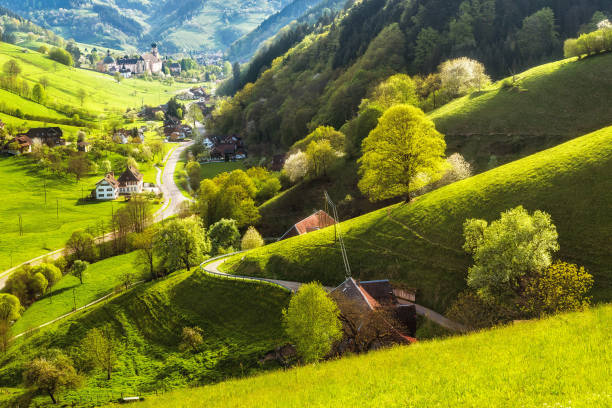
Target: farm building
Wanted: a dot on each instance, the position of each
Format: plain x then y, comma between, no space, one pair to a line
316,221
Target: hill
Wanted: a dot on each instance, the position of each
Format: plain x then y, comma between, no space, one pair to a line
419,244
296,12
519,365
548,105
178,27
149,319
323,79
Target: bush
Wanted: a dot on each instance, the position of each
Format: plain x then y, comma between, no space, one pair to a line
589,44
562,287
251,239
61,56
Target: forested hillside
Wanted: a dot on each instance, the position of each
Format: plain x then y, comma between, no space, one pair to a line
177,26
296,13
324,78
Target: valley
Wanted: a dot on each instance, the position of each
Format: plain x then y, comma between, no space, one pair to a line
305,203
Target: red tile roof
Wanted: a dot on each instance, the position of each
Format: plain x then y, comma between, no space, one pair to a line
316,221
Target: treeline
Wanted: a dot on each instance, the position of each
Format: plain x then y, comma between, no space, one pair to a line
592,43
323,79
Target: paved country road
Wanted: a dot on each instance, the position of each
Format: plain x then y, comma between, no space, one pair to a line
173,198
436,317
172,203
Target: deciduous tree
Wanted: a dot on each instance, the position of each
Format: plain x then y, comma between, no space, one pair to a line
508,249
311,322
100,348
78,269
192,338
52,374
251,239
181,243
403,146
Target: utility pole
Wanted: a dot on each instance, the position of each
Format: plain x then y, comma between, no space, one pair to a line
347,267
74,299
45,186
20,226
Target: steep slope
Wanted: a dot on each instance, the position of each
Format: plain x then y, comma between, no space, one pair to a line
177,26
240,320
322,80
420,243
296,12
532,364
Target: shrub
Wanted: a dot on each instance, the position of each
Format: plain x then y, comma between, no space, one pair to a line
562,287
61,56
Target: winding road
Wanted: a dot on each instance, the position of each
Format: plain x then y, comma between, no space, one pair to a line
173,198
213,268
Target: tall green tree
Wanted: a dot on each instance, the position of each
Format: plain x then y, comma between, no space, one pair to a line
402,154
78,269
181,243
312,322
224,234
38,93
538,37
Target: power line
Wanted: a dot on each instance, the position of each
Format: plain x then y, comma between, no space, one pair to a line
347,266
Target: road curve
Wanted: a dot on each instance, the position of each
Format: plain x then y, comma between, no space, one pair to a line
436,317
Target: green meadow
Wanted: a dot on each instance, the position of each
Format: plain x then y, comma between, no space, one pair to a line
104,95
563,361
99,280
420,244
45,227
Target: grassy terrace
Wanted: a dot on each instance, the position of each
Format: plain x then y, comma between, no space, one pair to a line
99,280
207,170
419,244
149,320
22,185
558,362
553,103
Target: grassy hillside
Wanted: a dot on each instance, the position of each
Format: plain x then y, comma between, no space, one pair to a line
104,95
551,103
530,364
419,244
100,279
241,322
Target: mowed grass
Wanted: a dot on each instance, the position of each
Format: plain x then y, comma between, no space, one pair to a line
241,321
562,361
23,194
100,279
104,94
420,244
552,104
